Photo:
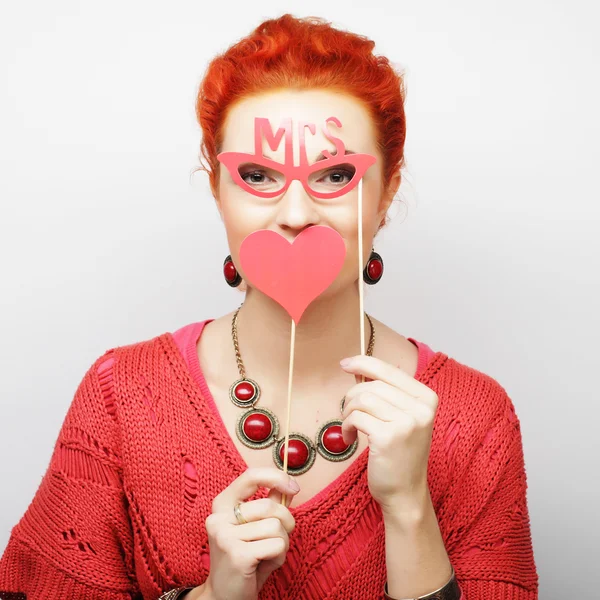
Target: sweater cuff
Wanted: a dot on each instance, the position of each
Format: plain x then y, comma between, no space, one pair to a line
473,589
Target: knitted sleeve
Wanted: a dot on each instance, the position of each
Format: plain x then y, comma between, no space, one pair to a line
489,539
75,539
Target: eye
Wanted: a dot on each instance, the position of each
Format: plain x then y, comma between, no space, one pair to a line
261,177
338,176
253,176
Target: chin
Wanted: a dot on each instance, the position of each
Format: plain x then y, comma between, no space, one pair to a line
338,287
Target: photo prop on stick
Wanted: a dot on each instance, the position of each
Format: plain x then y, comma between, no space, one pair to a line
240,164
294,274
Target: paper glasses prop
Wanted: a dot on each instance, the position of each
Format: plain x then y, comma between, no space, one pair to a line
295,274
282,175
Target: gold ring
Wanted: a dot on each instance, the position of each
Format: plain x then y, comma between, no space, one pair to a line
238,514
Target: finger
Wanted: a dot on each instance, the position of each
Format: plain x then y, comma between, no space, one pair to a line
247,485
360,394
260,530
371,426
268,549
361,378
359,421
375,368
264,508
372,404
276,496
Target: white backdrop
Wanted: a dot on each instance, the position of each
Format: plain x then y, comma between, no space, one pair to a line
492,256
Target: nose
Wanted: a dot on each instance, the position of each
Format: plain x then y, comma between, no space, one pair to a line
296,209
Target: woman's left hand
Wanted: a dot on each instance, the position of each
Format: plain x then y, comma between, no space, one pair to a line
396,412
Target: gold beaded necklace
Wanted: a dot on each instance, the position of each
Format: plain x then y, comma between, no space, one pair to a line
259,427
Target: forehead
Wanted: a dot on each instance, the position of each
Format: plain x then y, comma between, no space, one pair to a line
308,106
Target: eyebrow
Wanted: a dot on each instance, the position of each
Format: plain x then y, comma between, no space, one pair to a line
321,156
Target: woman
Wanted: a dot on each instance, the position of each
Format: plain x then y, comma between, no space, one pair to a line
157,488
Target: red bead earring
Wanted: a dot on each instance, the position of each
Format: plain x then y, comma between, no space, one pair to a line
373,270
232,277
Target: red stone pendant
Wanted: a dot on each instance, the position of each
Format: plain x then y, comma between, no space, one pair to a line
244,392
330,443
257,428
301,453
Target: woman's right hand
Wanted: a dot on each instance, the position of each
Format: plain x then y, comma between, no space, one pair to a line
243,556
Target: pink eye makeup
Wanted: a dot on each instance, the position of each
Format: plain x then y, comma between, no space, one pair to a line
329,177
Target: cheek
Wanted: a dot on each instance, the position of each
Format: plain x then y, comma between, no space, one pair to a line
241,213
350,269
236,226
347,226
370,208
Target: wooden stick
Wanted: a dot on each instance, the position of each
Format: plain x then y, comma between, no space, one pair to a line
360,271
289,405
362,327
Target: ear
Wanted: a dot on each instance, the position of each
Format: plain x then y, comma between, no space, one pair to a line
388,195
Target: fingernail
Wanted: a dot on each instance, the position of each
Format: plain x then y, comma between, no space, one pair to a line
345,362
294,485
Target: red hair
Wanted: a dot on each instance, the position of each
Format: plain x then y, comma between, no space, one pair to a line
290,52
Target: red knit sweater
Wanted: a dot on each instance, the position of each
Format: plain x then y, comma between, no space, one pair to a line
120,512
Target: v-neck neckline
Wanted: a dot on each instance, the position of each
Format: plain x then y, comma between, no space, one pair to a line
192,362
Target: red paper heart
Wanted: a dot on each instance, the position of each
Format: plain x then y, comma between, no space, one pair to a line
293,274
